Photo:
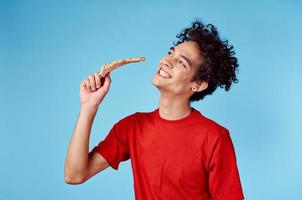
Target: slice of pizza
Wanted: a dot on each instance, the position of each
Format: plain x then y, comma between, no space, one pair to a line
106,68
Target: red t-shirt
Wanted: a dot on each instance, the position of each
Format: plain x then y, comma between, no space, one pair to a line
191,158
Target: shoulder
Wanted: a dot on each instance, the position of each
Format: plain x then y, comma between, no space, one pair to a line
214,129
217,136
126,120
143,116
135,117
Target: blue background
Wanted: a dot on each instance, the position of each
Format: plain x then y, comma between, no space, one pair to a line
48,47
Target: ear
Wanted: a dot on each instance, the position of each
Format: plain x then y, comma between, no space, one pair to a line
200,86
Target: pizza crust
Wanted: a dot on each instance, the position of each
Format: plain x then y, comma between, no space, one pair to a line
106,68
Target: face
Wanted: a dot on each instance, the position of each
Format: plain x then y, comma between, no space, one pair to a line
177,68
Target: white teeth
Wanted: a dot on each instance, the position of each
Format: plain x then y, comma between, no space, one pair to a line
164,74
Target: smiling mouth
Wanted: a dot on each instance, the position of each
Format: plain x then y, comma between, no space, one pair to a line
163,74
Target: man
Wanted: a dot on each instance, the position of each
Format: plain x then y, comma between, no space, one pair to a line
176,152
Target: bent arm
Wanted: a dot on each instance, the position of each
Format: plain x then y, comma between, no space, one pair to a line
77,158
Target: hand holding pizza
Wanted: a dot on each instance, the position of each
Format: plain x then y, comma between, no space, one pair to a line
94,88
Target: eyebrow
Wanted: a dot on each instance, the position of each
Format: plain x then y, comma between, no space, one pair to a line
184,57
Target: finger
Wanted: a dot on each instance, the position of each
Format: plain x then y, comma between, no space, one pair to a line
92,82
87,84
97,80
83,84
109,77
107,82
102,81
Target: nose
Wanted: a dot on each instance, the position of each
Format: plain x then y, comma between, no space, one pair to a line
168,65
169,62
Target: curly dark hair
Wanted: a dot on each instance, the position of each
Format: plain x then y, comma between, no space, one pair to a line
219,67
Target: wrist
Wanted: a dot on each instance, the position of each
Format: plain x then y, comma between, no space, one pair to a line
89,108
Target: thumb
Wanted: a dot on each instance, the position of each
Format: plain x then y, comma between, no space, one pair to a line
106,83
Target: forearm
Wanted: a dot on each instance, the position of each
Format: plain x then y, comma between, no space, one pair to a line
76,162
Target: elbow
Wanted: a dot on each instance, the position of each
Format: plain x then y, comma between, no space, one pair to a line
73,177
73,181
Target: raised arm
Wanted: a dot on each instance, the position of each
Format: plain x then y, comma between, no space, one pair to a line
80,165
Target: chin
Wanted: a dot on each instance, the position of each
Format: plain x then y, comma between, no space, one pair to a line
155,81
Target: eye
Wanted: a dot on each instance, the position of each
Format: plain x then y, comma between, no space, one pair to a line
182,64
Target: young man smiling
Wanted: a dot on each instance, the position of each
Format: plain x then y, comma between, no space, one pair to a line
176,152
173,79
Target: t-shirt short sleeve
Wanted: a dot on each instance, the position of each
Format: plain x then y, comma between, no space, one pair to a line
114,148
224,180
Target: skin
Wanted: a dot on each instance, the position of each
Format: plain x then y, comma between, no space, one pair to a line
176,91
80,164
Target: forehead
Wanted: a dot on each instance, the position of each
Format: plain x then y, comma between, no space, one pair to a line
191,50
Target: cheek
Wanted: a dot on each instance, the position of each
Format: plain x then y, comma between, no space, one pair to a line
184,79
184,75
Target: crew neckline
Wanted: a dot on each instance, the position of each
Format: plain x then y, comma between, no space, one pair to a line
190,119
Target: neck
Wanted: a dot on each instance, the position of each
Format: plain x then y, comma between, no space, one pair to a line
173,108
